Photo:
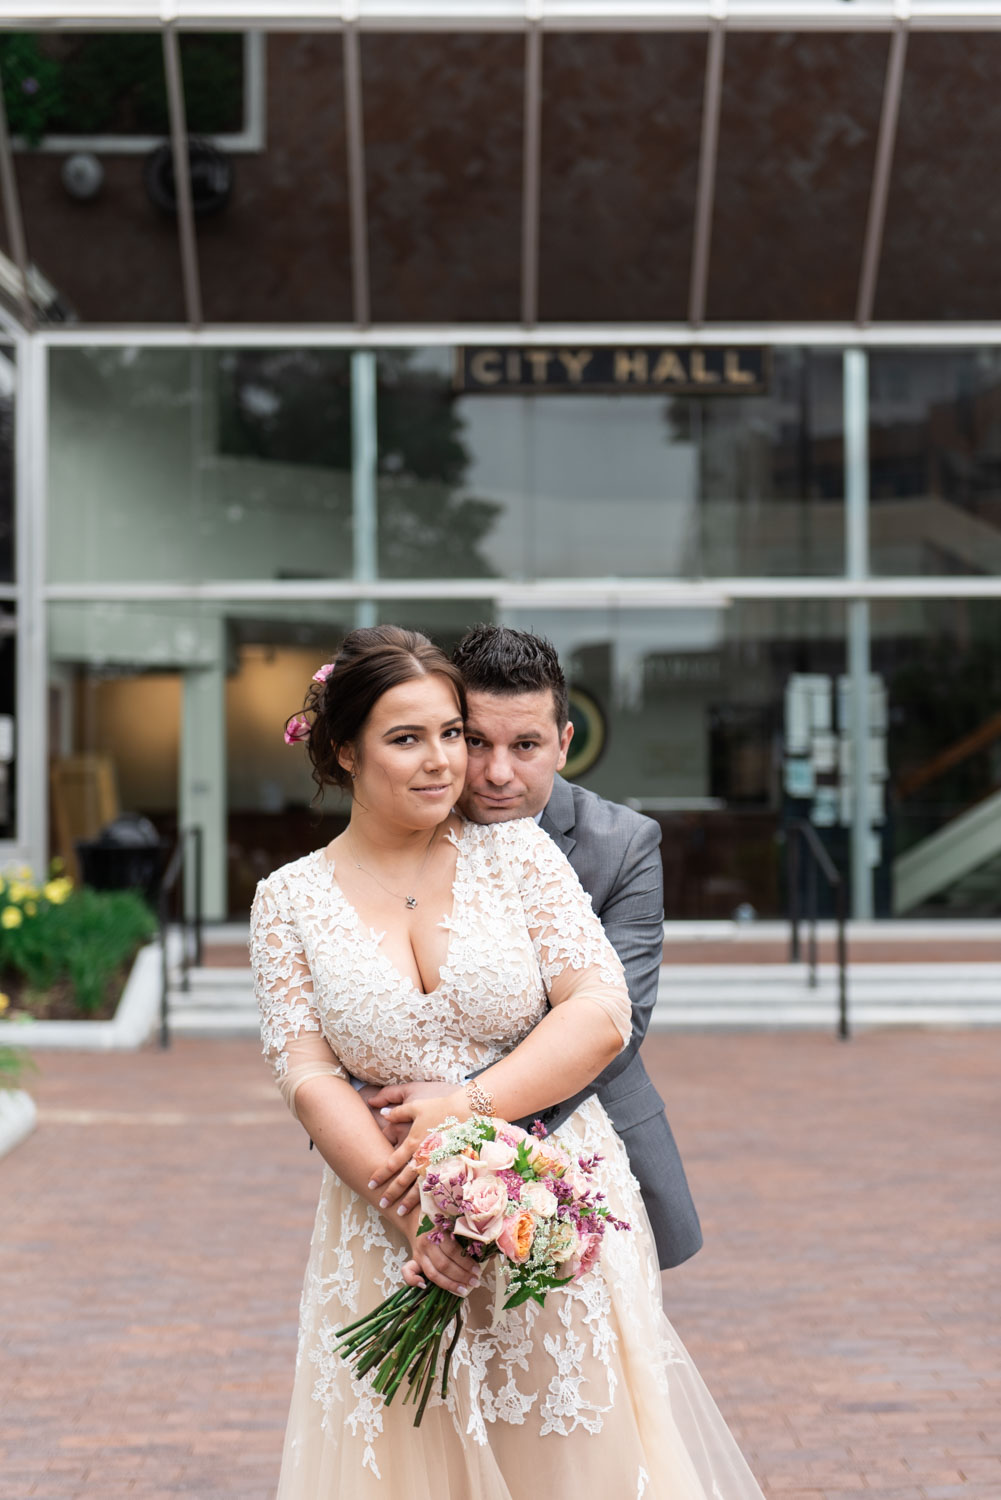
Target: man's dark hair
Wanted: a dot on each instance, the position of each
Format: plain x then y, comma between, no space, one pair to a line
494,659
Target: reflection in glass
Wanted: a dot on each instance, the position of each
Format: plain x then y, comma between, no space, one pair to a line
690,703
800,113
443,163
609,486
935,461
8,720
110,255
941,664
943,218
177,464
620,142
278,251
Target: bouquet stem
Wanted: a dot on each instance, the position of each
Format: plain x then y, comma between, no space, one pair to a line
402,1337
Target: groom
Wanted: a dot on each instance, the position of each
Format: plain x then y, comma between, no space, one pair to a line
518,733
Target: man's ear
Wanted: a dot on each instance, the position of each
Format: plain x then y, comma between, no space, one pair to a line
565,739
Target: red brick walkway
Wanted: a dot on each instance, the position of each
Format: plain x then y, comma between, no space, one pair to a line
845,1310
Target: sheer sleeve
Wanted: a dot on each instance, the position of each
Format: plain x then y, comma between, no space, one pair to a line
576,959
291,1032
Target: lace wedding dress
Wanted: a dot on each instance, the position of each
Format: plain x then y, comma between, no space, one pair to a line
593,1394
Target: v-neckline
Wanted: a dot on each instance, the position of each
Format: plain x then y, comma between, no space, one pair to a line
368,934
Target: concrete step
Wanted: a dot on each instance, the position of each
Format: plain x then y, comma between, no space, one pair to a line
695,996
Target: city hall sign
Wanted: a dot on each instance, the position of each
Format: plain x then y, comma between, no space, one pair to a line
640,368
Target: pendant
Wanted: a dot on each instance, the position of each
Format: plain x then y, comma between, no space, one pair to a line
411,902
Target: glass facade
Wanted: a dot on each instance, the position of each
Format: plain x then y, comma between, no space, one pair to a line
206,511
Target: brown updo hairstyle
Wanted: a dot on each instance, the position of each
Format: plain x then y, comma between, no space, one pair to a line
370,662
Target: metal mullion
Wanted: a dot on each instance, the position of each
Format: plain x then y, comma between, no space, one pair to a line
357,193
706,190
31,491
182,177
882,169
531,176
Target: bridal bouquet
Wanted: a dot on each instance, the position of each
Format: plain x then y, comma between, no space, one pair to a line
505,1193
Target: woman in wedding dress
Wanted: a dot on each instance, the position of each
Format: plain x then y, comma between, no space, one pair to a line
420,946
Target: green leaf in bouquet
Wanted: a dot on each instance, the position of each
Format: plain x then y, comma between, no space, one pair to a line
425,1226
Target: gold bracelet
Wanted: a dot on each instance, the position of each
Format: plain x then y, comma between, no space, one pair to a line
480,1099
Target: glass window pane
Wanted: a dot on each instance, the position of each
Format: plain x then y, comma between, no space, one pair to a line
93,230
620,143
940,660
935,461
443,158
530,486
798,128
278,250
683,712
178,464
943,221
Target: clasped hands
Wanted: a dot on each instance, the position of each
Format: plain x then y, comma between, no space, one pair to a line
405,1112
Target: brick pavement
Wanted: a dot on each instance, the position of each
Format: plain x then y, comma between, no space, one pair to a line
844,1311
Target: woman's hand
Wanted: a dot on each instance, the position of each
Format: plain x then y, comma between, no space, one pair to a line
445,1263
398,1175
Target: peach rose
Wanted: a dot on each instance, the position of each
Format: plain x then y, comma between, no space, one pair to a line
483,1202
515,1239
549,1158
431,1142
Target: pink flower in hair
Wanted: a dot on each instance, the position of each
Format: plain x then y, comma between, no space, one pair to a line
297,729
323,672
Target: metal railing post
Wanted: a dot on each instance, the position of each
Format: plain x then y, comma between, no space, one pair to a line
843,1031
792,837
198,892
811,901
164,1023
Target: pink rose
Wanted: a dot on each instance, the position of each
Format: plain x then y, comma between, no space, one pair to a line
448,1180
515,1238
323,672
539,1199
586,1257
495,1156
483,1201
512,1134
297,729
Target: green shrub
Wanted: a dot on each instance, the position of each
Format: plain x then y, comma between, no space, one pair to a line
13,1064
53,932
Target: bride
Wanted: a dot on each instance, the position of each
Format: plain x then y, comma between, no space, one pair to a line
420,946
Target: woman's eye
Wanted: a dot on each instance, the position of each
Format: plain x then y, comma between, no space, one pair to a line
453,734
404,739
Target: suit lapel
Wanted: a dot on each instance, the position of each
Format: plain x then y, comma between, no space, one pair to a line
559,817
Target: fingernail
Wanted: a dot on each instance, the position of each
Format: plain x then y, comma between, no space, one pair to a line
383,1202
372,1184
402,1209
463,1291
384,1110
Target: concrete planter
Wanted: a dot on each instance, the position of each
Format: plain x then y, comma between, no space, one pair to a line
17,1118
133,1024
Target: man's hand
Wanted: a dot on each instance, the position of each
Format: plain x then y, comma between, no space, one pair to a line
416,1117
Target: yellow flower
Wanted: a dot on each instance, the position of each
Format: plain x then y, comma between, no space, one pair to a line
4,1003
11,916
15,890
57,890
26,872
30,908
56,865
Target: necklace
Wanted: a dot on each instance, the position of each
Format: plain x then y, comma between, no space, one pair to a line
410,900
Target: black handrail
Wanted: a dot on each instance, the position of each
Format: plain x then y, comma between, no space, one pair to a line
800,831
190,921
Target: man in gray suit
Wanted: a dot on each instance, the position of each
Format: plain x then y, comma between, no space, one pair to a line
518,733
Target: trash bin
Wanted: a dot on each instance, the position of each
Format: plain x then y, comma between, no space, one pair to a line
127,855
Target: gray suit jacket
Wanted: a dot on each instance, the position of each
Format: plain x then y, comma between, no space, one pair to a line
616,855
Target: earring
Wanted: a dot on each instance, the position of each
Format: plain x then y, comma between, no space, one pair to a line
352,775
